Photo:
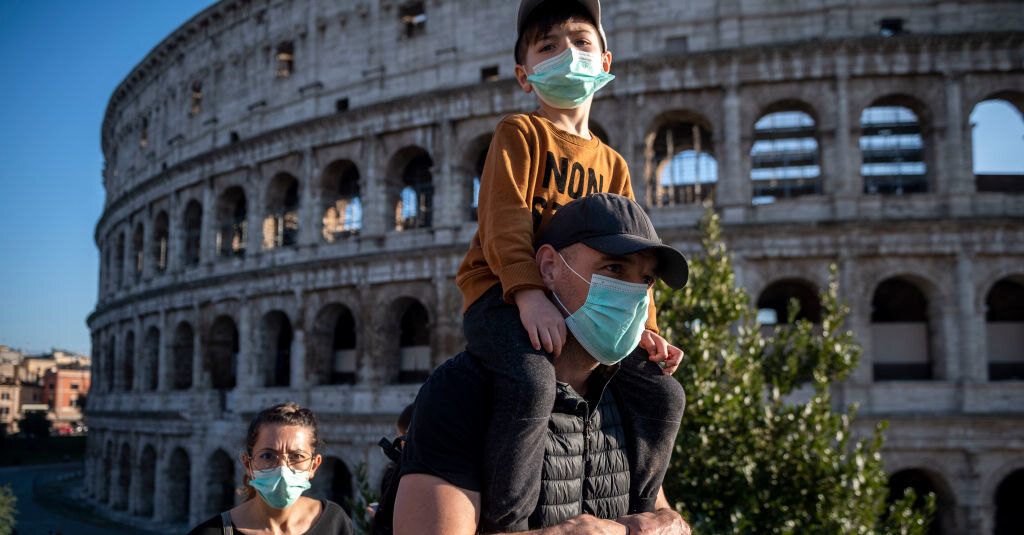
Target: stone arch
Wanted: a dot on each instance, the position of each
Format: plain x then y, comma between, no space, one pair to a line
119,261
182,353
110,365
894,152
1009,517
127,368
119,501
785,154
150,361
333,481
774,301
410,189
342,204
220,483
220,357
138,250
924,482
1004,329
680,164
281,206
147,481
158,252
998,174
232,213
177,481
192,225
332,355
276,349
901,330
413,340
472,167
107,473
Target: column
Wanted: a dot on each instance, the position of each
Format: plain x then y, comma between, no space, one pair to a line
308,208
973,358
197,351
175,235
846,180
254,213
375,207
246,354
733,189
449,194
206,238
137,357
953,175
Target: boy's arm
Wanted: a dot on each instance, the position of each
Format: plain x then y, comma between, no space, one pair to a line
505,211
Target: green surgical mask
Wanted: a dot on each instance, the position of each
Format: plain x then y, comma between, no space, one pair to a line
569,79
281,486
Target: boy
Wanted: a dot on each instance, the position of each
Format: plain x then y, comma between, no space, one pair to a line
536,163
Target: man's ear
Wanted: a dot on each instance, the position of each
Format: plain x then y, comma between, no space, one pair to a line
547,263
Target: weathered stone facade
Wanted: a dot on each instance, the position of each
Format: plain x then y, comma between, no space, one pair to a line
290,191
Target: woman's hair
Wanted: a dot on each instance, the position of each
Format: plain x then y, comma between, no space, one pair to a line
289,413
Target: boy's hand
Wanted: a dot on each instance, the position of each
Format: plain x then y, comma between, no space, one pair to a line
541,319
661,351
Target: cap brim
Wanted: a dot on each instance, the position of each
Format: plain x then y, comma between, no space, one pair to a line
672,266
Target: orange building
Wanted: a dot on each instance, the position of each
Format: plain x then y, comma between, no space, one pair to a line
65,390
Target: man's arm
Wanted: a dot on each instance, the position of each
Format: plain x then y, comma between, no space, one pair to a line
662,521
429,505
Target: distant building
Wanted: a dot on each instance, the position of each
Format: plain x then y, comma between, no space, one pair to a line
10,406
65,390
55,383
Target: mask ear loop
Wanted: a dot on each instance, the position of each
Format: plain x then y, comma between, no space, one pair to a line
571,269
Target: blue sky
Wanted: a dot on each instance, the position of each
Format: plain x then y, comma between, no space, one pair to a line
63,59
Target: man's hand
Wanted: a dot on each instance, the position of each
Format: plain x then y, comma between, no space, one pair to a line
585,525
661,351
541,319
660,522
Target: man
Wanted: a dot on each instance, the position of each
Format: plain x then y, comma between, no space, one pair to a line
598,258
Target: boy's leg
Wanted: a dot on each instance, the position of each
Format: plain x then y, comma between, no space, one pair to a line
651,405
524,393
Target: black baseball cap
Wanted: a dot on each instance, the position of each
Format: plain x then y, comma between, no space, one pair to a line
615,225
592,6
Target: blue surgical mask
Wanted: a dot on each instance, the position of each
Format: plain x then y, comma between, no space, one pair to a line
281,486
611,321
568,79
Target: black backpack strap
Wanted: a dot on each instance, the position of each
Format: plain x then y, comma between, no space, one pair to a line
393,449
225,519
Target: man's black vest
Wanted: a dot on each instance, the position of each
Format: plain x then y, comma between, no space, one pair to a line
586,470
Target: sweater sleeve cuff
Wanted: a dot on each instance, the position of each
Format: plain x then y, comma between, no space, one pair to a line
522,275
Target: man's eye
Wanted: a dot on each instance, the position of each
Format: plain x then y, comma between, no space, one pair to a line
614,268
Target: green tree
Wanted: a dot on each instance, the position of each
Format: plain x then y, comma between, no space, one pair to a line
749,458
7,510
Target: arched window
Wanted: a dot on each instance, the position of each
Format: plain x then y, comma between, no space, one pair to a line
159,246
119,496
285,58
193,223
900,332
178,484
333,482
333,360
127,367
892,150
784,157
997,136
281,225
683,163
119,262
221,362
277,349
220,483
1004,331
182,351
1008,498
415,196
232,226
476,157
343,209
138,250
414,344
923,485
774,302
150,361
147,482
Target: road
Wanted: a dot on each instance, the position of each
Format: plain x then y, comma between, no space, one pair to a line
33,519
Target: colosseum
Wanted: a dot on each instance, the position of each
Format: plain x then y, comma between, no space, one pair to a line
290,188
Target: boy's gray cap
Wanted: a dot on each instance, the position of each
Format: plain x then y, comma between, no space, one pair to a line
592,6
614,225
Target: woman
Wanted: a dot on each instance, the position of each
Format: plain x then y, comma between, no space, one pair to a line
279,459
